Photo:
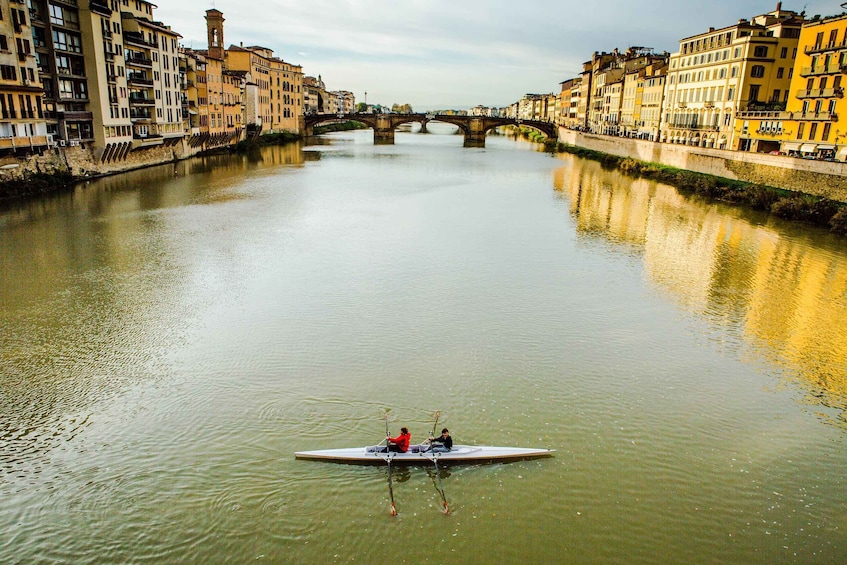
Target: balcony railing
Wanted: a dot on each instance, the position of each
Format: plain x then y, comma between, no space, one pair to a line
139,80
831,69
141,100
821,93
76,116
796,116
136,38
757,115
100,7
822,48
139,61
815,116
139,115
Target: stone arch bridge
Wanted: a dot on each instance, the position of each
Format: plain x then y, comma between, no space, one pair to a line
474,127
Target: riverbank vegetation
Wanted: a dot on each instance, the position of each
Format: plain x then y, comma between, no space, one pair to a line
342,126
782,203
281,138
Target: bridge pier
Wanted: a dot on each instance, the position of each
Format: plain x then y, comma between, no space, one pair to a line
384,131
475,134
423,126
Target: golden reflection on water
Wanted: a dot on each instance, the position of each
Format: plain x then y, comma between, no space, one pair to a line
787,292
83,275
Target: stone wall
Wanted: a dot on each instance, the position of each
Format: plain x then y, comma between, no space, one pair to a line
820,178
81,162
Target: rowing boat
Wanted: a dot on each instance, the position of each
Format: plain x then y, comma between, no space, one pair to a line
419,455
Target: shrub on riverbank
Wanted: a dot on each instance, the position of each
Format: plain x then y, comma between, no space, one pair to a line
343,126
36,184
781,203
280,138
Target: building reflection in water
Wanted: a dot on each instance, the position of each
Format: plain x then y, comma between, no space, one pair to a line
781,288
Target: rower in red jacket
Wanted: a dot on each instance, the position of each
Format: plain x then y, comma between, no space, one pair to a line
400,444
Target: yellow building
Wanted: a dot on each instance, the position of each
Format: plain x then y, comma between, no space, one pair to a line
717,74
652,80
256,62
810,126
195,109
286,96
23,128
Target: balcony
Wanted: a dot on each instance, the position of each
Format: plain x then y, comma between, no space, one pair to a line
140,115
76,116
20,142
137,38
823,48
769,132
135,79
136,100
831,69
821,93
758,115
138,60
815,116
100,8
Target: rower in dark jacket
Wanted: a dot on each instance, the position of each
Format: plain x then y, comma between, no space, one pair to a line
443,443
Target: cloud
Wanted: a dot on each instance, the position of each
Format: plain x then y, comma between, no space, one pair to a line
468,51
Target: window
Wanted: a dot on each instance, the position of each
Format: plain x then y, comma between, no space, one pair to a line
758,71
779,72
800,127
754,92
760,51
825,133
783,53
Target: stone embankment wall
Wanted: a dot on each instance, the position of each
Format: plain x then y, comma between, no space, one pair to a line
820,178
81,162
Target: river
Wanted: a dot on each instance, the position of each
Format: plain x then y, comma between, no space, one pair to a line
169,337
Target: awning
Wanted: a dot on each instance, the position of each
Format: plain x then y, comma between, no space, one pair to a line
842,154
826,148
808,148
789,146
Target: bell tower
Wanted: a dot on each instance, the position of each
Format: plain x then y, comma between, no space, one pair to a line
215,33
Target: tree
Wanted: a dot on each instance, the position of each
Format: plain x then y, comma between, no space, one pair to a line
402,109
361,107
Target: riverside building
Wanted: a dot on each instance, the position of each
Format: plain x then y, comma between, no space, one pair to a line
724,72
23,128
810,126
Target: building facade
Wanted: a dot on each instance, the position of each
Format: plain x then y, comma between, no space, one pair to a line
719,73
810,126
23,127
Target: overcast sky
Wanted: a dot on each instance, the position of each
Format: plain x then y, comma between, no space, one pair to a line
457,53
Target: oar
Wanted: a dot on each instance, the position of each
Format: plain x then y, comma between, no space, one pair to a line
388,460
435,425
440,485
